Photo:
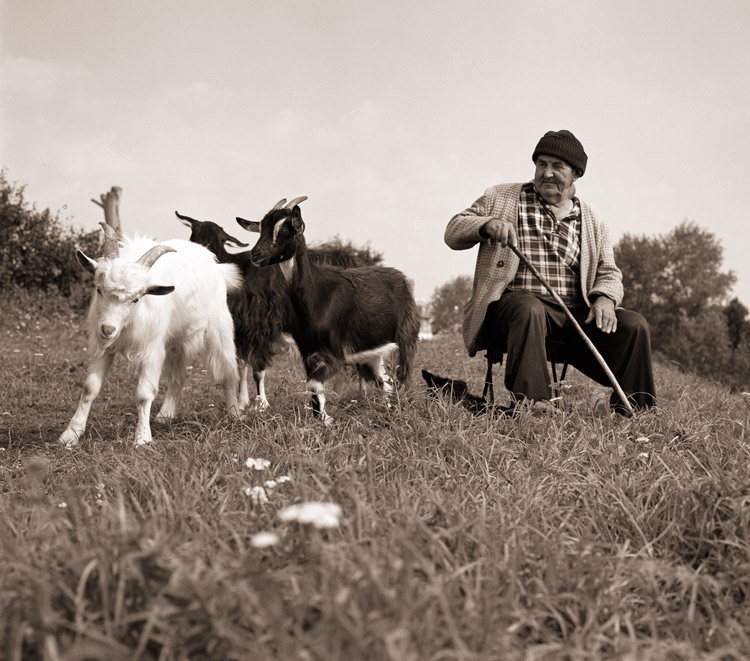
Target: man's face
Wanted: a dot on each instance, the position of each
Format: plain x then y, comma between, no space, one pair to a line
554,178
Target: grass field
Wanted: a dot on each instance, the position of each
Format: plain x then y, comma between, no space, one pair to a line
560,534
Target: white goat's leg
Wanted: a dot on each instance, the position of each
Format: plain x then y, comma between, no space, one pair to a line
244,397
148,386
261,401
176,373
91,387
317,390
223,360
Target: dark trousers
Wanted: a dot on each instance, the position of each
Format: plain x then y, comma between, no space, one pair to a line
521,323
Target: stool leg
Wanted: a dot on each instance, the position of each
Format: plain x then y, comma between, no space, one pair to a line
489,392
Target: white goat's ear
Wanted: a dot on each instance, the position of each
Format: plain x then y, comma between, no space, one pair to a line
297,223
87,264
159,290
249,225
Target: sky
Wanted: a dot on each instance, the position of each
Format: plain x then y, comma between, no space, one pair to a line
391,116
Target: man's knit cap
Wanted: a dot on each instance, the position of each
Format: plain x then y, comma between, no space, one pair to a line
565,146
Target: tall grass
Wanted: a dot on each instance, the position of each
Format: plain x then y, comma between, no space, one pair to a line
564,533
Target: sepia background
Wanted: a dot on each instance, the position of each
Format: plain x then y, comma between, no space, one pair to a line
390,116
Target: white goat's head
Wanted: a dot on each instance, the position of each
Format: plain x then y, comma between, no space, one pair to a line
120,284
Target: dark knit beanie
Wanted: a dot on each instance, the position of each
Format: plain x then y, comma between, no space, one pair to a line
564,145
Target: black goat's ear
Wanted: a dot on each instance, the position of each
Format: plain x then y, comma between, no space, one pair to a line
159,290
249,225
185,220
297,223
87,264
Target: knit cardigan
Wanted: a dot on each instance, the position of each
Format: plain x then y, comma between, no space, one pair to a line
496,266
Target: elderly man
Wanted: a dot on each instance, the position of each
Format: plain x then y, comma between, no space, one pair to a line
511,312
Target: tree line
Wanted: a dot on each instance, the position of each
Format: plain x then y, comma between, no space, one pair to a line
675,280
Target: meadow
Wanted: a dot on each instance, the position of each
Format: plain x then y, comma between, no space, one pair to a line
563,533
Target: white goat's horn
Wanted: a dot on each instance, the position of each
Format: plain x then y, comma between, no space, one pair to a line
111,246
295,201
279,204
148,258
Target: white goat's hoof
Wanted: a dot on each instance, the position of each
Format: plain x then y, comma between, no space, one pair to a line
327,420
69,438
142,440
163,419
261,403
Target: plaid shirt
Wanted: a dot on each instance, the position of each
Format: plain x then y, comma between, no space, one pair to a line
496,266
552,246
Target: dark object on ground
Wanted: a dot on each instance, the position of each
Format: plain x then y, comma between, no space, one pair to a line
459,392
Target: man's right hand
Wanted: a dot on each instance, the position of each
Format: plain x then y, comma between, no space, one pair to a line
500,230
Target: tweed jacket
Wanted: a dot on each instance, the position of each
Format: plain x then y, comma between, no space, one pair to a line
496,266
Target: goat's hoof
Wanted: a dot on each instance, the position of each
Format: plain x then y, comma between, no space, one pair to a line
164,419
261,403
69,438
142,440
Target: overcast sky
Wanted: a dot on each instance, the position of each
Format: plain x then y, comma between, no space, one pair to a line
391,116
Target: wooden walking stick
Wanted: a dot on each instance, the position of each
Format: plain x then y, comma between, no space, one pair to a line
577,326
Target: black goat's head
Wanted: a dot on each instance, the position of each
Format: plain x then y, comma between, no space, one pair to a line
209,234
281,231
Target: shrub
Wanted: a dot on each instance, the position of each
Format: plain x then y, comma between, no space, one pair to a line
36,250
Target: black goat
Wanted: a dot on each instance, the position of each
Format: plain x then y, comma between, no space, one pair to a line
340,316
260,310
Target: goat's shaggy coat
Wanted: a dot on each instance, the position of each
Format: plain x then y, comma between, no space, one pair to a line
168,312
259,308
340,316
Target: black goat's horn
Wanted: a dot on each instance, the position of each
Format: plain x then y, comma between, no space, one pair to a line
295,201
279,204
111,246
149,257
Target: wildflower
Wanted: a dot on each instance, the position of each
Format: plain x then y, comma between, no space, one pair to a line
270,484
643,439
264,539
258,495
320,515
643,455
62,506
257,464
283,478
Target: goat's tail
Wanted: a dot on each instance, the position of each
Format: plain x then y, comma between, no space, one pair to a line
408,334
232,277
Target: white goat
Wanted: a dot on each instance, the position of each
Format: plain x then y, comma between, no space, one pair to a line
157,313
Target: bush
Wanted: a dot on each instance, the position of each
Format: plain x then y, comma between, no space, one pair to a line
36,250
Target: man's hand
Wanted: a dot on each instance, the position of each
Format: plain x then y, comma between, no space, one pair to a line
500,230
603,311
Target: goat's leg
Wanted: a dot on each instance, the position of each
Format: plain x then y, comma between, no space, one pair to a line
261,401
176,373
319,369
223,360
148,386
318,400
244,396
91,387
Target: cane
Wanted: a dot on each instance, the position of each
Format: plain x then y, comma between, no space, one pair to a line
585,337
